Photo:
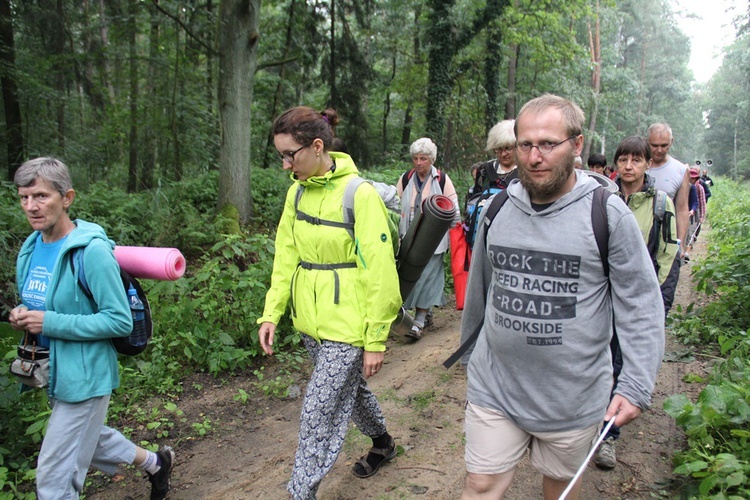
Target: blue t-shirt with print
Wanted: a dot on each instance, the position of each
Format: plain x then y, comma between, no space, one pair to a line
34,291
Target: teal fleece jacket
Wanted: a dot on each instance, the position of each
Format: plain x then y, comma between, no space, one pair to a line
83,360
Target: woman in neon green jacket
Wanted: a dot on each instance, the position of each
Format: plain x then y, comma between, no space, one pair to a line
343,294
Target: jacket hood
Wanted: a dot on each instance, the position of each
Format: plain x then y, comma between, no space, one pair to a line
85,232
344,165
583,186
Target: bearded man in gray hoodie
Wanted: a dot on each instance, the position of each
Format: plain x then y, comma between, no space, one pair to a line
540,374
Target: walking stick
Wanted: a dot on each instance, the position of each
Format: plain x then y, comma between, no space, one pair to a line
588,457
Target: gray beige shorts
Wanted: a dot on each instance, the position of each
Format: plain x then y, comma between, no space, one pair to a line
495,445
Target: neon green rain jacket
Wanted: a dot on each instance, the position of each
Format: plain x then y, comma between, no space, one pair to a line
368,294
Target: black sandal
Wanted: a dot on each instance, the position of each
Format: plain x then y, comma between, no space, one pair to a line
368,465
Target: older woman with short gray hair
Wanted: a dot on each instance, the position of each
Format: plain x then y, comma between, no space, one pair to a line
416,186
78,328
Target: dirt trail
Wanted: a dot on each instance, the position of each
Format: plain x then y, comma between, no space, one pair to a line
250,451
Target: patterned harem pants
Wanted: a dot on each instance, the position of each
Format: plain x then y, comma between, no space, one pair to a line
337,391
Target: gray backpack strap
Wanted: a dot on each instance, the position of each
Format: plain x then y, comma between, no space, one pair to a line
348,204
300,190
317,220
660,205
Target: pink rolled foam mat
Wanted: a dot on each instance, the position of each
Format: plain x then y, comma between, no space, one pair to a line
151,262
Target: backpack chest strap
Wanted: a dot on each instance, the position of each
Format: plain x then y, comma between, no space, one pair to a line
323,222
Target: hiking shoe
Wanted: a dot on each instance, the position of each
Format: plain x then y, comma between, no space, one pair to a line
160,480
605,456
428,319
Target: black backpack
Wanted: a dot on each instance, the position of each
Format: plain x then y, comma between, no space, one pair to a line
476,202
123,345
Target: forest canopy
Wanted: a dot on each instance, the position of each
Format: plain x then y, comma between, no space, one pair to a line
141,93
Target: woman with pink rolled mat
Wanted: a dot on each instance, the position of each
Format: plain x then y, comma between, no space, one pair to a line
83,361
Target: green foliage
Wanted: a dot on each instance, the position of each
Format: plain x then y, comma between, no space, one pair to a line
207,320
717,424
728,108
725,271
23,420
204,321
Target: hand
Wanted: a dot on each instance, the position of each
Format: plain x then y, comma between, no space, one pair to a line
31,321
265,334
13,318
373,362
626,411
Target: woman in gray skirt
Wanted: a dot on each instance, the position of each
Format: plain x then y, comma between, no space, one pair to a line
417,185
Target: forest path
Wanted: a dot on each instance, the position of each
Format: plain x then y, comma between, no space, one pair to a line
250,450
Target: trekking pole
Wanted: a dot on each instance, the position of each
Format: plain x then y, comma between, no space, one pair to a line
588,457
693,235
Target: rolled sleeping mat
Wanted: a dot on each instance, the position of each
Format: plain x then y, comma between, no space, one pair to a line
151,262
605,181
403,323
422,239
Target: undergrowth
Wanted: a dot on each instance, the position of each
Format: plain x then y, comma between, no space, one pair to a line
717,424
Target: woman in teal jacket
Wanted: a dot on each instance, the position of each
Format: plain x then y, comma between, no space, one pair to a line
343,294
83,360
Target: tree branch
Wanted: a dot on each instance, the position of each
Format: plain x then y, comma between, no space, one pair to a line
184,27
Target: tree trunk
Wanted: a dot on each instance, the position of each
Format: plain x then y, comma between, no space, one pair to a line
210,85
332,68
105,63
510,99
445,41
174,115
13,123
408,118
387,103
596,75
442,48
642,84
408,122
268,153
60,69
133,66
492,60
150,149
238,42
89,76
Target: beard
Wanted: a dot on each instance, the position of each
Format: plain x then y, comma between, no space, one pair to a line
552,186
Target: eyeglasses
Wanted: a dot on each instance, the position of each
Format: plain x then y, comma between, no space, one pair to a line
504,149
544,148
289,157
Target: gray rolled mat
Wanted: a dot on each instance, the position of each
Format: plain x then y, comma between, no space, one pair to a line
423,237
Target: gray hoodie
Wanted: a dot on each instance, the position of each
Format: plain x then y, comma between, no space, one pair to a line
542,357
